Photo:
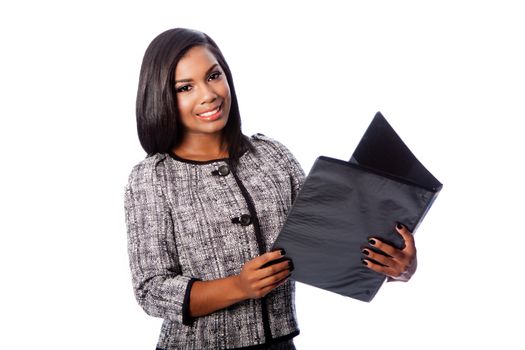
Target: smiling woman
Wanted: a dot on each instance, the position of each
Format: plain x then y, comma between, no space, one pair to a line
205,205
160,92
204,100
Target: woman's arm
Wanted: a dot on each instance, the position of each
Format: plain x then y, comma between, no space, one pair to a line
252,283
158,284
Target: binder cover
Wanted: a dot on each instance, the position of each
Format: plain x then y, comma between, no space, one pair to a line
343,203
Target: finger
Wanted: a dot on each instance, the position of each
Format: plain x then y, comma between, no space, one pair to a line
272,280
380,258
385,265
283,281
277,281
385,270
384,247
285,265
273,262
266,258
407,237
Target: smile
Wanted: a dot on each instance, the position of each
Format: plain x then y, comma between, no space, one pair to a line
212,114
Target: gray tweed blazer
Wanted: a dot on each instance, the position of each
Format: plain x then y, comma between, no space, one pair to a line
190,220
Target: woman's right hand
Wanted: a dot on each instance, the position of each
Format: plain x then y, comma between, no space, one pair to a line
262,274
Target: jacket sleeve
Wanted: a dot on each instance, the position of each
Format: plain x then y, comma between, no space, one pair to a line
297,175
159,286
288,162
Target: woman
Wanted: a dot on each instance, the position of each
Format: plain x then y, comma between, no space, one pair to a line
205,205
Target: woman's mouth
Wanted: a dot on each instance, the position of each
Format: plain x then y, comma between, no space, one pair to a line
212,114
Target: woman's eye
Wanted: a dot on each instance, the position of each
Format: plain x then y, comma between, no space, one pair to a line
215,75
184,88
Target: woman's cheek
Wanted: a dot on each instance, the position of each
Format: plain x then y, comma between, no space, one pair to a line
184,106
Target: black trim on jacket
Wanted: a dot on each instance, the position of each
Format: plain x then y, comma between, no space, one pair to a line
262,249
187,319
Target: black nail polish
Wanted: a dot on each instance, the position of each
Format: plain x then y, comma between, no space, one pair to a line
290,266
365,252
364,262
283,252
399,226
372,241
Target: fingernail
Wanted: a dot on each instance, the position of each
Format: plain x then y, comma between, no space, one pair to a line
283,252
372,241
364,251
290,266
399,226
364,262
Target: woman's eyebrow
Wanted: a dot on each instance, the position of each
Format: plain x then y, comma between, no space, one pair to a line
190,80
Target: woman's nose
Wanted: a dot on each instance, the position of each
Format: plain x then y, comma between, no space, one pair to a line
208,94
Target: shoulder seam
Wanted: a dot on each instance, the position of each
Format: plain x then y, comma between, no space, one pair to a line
276,145
146,169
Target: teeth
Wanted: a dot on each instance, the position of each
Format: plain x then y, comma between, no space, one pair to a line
207,114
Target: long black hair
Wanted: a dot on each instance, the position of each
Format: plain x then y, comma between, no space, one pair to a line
158,124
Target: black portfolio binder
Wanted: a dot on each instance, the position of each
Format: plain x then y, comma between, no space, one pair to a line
343,203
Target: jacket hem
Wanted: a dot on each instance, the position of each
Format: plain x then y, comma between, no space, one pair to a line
262,346
271,342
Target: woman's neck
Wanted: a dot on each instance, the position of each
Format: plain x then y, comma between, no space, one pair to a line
201,147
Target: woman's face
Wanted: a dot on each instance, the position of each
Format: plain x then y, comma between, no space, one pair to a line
203,93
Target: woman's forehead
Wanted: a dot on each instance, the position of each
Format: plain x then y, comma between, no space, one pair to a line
198,60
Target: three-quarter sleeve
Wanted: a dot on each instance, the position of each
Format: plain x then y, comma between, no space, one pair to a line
159,286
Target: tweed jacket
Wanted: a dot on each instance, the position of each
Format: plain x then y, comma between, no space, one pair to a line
189,220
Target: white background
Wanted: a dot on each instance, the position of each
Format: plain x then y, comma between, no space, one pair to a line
448,75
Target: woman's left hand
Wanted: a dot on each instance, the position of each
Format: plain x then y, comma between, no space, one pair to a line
398,264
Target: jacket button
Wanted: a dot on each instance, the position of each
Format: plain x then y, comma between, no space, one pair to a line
245,219
224,170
